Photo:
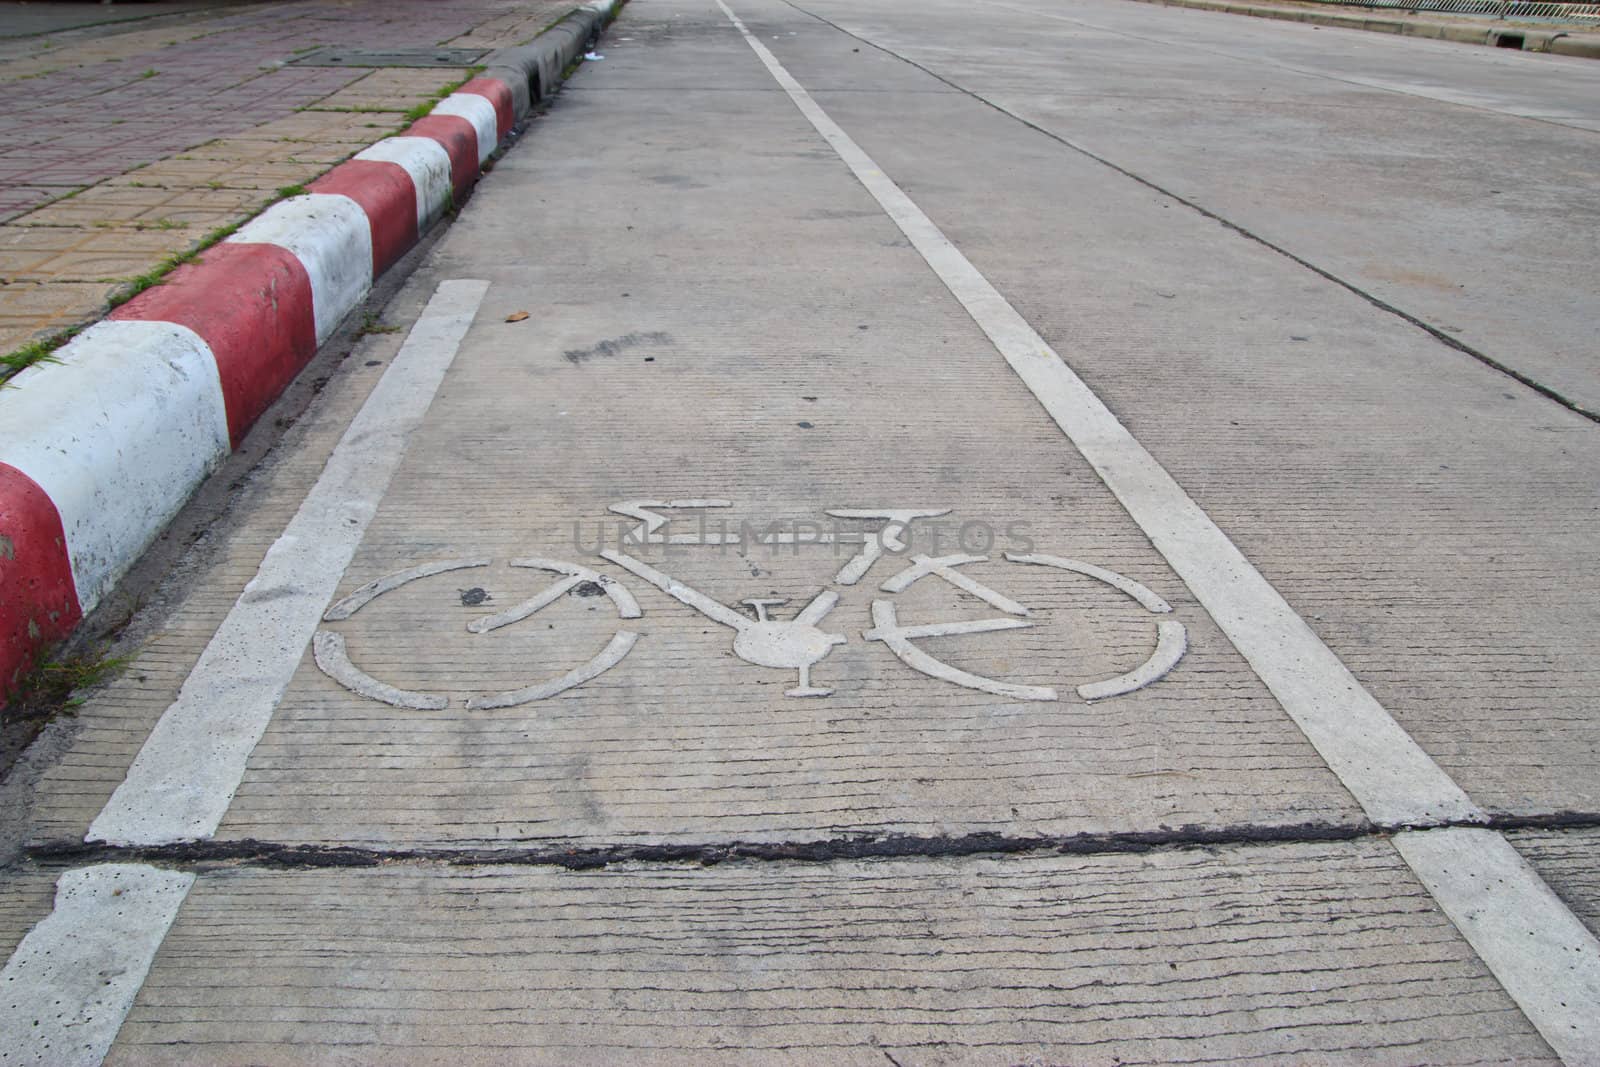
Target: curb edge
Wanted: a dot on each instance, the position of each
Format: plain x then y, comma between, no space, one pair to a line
108,458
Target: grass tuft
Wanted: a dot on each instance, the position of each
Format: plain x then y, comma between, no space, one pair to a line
53,685
40,351
370,324
155,275
424,109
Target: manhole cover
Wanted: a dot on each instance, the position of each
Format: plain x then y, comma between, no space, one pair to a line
394,57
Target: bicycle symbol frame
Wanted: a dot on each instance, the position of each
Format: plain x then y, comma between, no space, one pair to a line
797,644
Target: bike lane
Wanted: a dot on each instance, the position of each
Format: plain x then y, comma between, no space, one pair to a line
724,329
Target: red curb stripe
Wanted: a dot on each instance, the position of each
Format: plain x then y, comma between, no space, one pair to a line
498,94
251,303
459,139
38,600
389,197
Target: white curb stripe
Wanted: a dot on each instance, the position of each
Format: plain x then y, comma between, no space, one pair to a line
331,237
72,980
478,111
184,777
1541,953
117,434
1393,779
429,166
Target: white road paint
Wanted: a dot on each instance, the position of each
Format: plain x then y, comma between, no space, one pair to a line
1542,954
184,777
711,609
620,644
118,433
627,607
1120,582
793,645
897,522
429,166
332,238
1387,772
1172,641
348,606
886,628
547,596
70,983
945,567
333,656
648,512
1390,776
1172,637
478,111
333,659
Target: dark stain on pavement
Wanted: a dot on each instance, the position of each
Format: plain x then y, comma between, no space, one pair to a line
617,345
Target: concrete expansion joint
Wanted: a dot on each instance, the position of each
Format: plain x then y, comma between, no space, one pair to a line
1440,335
279,855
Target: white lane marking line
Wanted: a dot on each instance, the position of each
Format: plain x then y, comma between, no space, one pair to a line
1396,782
1392,778
184,777
117,434
1541,953
331,236
70,983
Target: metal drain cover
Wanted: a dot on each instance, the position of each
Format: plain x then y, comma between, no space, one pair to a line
394,57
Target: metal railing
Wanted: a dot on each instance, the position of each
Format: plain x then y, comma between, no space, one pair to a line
1501,9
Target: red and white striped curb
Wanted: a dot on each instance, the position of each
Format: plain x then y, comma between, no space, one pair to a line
100,449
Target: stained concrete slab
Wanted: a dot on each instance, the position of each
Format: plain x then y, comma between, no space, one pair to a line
1289,953
755,277
1444,179
715,309
1431,518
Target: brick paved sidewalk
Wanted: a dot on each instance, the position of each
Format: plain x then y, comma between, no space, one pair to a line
125,149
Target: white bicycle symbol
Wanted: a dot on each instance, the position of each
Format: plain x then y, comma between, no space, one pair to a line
797,644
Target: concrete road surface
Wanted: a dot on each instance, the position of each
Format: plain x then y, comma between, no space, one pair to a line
900,533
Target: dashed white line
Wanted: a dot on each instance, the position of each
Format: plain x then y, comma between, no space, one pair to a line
184,777
70,983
